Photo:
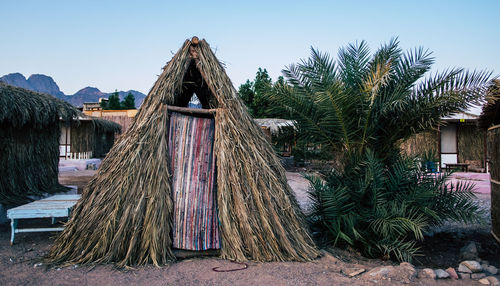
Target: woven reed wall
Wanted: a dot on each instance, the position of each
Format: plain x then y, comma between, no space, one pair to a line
82,137
421,143
471,145
124,121
493,142
87,137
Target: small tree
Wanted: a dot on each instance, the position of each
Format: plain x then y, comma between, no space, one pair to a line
256,96
104,103
114,101
128,102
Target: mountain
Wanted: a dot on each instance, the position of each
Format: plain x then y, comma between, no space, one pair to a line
92,94
16,79
45,84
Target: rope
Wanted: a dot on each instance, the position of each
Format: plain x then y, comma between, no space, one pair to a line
495,182
245,266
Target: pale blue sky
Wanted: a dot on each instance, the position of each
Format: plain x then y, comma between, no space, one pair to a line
124,44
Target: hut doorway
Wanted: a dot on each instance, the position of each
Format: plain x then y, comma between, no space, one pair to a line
192,165
449,145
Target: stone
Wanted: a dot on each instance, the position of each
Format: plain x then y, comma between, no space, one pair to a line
464,275
405,272
427,273
452,272
477,276
351,272
491,269
484,281
330,258
380,272
463,269
441,274
408,271
469,251
493,280
474,266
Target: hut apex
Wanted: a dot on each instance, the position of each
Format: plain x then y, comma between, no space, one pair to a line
215,162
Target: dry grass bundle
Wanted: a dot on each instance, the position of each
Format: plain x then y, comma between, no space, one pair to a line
29,143
490,114
125,214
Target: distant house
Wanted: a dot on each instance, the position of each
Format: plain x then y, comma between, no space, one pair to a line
457,140
279,132
122,117
90,138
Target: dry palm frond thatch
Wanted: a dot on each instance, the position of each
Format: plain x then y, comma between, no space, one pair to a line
491,110
29,143
125,214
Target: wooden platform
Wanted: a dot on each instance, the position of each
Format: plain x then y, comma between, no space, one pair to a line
51,207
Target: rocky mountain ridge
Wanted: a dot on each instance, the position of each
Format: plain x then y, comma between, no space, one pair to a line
46,84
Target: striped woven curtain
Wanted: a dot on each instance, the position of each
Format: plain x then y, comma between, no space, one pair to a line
195,222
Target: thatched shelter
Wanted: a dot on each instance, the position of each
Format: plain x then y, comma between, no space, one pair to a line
490,119
29,143
92,136
125,214
490,114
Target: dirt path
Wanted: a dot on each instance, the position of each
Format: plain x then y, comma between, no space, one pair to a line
19,266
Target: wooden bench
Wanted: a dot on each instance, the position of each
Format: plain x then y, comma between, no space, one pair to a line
51,207
463,166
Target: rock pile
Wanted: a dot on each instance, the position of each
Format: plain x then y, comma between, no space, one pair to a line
472,267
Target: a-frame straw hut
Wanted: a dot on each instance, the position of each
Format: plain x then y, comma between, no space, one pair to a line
127,213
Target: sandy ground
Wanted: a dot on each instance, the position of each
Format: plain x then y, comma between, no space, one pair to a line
19,265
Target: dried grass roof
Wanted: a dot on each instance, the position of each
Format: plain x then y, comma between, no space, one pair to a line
491,110
19,106
125,213
103,125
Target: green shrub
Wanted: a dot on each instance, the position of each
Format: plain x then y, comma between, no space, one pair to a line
383,210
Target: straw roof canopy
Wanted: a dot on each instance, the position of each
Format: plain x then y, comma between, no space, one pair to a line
125,213
21,107
491,110
29,143
105,126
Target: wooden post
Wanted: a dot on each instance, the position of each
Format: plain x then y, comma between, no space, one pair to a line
195,40
192,111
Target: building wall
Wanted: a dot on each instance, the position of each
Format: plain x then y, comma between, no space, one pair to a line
87,138
122,117
471,145
422,143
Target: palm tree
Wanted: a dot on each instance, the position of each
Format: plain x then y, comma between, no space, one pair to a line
362,102
357,109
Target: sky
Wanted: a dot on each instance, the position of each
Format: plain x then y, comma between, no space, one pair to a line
122,45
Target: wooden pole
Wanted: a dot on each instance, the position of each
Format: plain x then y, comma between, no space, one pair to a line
191,110
195,40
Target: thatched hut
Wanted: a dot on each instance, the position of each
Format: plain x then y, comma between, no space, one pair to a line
490,119
129,212
29,143
456,140
90,138
280,132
